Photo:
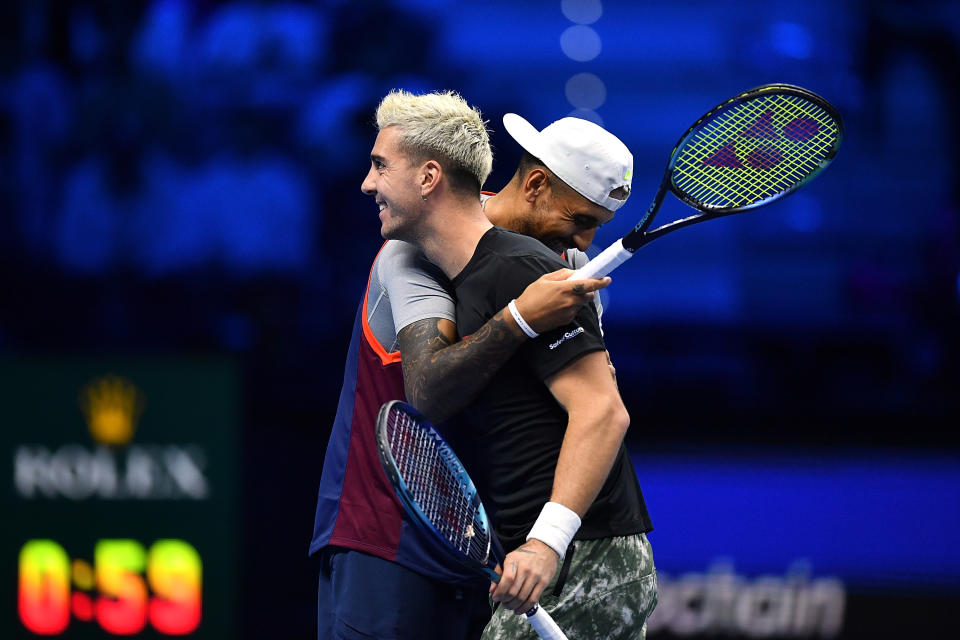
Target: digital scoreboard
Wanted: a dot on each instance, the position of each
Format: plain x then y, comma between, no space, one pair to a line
119,515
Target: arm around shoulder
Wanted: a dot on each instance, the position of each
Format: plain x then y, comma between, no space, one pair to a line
442,376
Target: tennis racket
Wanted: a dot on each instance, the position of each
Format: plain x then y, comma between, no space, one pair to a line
440,497
754,148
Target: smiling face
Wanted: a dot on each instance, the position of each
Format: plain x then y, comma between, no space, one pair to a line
564,219
393,182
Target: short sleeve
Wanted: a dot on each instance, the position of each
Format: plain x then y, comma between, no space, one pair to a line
555,349
410,286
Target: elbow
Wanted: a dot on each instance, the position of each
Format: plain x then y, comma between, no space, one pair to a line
418,400
428,405
411,391
620,419
432,412
613,421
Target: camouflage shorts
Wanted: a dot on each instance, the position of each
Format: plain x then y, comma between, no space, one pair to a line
610,590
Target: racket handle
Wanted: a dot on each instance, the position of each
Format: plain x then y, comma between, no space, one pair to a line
544,625
608,260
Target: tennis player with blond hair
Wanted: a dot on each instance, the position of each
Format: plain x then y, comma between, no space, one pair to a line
378,576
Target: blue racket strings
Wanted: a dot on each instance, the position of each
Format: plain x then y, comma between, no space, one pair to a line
438,485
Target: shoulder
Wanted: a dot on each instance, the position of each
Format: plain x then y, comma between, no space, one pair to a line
576,258
512,245
503,264
395,253
400,260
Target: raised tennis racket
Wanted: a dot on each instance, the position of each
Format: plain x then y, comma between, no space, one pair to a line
440,497
752,149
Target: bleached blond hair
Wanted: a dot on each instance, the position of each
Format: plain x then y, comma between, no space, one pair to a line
441,124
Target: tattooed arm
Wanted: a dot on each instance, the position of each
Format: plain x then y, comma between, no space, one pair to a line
442,376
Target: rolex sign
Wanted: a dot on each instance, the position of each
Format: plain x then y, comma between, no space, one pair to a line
120,513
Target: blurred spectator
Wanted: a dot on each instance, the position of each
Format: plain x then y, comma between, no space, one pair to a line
162,42
40,103
331,123
242,213
248,35
383,39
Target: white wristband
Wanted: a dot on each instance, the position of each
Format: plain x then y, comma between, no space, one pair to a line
520,321
555,527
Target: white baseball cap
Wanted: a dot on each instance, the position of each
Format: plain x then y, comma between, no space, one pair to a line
584,155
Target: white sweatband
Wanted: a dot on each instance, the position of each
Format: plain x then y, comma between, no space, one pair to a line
555,527
520,321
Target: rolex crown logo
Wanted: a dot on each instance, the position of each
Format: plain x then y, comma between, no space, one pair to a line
112,405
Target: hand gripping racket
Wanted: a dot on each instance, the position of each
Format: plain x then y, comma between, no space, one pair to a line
752,149
440,497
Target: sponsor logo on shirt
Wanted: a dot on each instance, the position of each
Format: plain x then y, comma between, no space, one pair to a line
567,336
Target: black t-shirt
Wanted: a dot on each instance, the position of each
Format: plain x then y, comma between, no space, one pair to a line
515,426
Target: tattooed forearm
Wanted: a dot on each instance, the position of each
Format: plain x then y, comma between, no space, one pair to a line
442,376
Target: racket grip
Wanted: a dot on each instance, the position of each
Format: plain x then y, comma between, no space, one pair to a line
608,260
544,625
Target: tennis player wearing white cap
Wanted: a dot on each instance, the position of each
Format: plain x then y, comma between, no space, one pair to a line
564,495
573,163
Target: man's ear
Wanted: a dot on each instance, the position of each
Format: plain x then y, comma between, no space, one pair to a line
534,184
430,175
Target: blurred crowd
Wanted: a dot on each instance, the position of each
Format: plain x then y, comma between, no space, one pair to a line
188,145
169,135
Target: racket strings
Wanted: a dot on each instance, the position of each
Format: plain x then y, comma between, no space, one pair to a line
803,158
754,151
436,487
773,172
733,126
779,173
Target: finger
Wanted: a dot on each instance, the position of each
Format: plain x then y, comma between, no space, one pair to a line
525,597
493,584
502,591
525,592
516,603
578,300
532,589
535,594
591,284
514,597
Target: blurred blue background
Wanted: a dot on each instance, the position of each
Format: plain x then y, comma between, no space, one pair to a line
181,178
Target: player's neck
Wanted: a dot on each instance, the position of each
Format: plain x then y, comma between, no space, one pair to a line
505,208
452,234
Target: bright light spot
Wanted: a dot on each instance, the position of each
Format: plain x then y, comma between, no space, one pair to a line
580,43
586,91
791,39
582,11
587,114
